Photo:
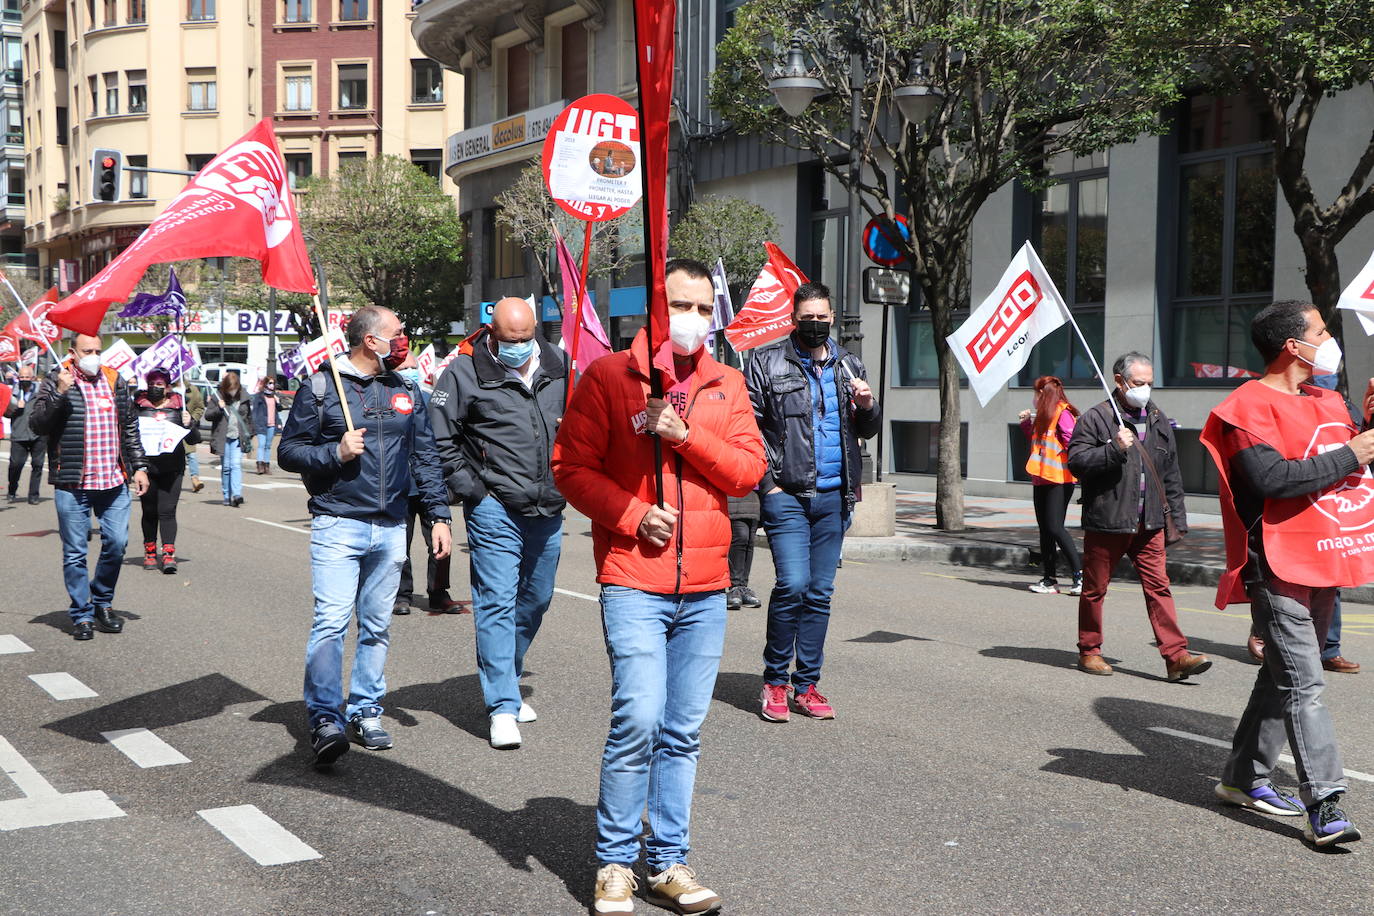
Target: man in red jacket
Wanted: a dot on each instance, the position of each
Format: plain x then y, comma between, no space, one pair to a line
663,574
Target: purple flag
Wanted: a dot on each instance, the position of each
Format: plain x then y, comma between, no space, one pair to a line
592,343
172,302
170,353
290,362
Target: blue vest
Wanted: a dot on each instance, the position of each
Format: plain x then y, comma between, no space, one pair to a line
825,420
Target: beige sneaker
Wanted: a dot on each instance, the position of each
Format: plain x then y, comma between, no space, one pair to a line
677,888
615,888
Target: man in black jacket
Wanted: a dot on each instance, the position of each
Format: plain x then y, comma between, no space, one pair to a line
359,483
813,404
495,411
94,452
1131,481
26,446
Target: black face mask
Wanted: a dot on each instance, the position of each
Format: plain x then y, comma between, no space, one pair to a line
812,332
157,394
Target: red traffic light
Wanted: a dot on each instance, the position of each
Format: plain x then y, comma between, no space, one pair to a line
107,163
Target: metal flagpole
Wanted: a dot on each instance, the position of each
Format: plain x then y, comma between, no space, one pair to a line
1111,395
32,323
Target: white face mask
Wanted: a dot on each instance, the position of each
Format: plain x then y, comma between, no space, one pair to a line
1138,396
1327,359
688,331
89,365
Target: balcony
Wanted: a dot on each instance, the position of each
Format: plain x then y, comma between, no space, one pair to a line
440,25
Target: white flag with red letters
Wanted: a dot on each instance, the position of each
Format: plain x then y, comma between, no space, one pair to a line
1359,297
996,341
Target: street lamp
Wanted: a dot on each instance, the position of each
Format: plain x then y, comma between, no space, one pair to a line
917,99
793,85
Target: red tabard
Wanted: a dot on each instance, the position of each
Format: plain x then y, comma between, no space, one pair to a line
1320,539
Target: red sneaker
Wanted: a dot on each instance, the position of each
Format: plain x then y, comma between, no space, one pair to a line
775,702
150,554
809,702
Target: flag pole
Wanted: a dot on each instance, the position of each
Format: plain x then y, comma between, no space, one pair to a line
323,319
577,307
32,323
1111,395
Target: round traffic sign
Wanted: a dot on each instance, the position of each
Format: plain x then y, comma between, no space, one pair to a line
882,236
591,158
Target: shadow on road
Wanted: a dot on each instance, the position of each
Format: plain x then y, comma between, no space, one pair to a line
1221,649
61,620
558,833
458,699
887,636
1062,658
201,698
739,690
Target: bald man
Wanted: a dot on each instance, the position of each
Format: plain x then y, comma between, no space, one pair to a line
495,412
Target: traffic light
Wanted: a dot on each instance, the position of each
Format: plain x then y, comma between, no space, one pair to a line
107,172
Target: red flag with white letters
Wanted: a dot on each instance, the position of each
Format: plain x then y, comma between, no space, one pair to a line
35,323
767,312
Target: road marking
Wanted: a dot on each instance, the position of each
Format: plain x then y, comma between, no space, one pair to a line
62,686
10,645
145,748
42,805
263,521
1214,742
263,839
282,485
564,591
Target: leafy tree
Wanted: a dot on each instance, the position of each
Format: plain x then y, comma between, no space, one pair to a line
728,228
387,234
1021,80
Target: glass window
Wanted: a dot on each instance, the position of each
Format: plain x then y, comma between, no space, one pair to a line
14,122
13,13
138,90
138,11
111,12
352,86
138,181
61,125
197,161
505,258
351,156
59,49
916,447
573,63
725,16
426,82
300,89
299,166
94,85
14,60
16,187
1217,122
111,93
431,160
200,10
352,10
201,89
297,11
517,79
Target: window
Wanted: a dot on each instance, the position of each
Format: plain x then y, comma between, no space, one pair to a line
572,63
1069,231
14,60
95,95
1224,266
916,447
300,89
352,86
200,89
138,181
12,11
111,12
725,18
200,10
297,11
16,187
505,258
352,10
299,166
14,122
431,160
138,11
59,49
138,90
426,82
111,93
197,161
517,79
61,125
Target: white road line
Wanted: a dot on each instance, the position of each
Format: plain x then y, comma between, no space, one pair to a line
1203,739
263,839
564,591
10,645
263,521
145,748
62,686
278,485
42,805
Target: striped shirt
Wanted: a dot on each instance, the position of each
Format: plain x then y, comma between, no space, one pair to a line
101,469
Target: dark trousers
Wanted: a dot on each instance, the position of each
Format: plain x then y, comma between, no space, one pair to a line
30,451
744,524
160,500
1051,505
1101,552
436,571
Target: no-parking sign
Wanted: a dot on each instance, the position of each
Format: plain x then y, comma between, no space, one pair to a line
591,158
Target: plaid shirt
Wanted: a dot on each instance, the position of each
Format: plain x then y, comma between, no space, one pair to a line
101,469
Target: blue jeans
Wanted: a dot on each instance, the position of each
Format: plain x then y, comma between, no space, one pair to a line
265,444
513,559
805,534
665,652
354,565
1333,633
231,469
192,461
74,508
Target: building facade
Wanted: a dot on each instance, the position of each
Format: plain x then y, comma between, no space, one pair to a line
12,169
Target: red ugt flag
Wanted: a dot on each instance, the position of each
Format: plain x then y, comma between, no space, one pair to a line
654,24
592,343
239,205
9,348
36,323
767,312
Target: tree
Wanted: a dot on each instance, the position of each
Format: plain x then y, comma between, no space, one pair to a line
728,228
387,235
1020,80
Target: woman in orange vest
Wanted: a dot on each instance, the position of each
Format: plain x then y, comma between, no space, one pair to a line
1049,428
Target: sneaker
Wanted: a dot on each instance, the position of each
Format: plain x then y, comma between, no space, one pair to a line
775,702
1326,824
733,599
150,554
809,702
526,713
504,732
169,559
328,741
1045,587
615,889
677,888
1264,798
1077,587
749,598
368,732
1186,665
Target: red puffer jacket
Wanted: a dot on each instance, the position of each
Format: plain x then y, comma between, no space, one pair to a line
603,463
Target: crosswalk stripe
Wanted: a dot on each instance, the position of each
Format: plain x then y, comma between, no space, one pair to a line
263,521
263,839
1215,742
10,645
62,686
564,591
145,748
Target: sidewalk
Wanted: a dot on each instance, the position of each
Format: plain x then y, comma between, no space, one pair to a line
1002,533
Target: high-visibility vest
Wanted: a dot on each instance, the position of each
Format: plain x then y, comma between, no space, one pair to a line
1049,460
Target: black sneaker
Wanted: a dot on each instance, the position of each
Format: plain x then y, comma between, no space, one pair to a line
733,599
368,732
13,498
1326,824
749,598
328,741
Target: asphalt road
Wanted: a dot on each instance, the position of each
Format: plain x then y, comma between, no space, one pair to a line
970,768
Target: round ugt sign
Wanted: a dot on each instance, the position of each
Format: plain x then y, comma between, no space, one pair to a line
591,158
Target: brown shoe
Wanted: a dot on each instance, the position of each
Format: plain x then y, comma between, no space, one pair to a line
197,485
1255,646
1341,665
1186,665
1093,663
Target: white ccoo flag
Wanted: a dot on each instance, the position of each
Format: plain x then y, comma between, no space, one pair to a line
996,341
1359,297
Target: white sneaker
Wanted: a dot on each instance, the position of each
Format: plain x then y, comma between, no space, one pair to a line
615,887
504,733
526,713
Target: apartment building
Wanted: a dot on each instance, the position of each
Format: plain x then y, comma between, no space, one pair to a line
12,169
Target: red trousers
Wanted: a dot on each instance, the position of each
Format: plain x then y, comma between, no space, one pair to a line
1101,553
